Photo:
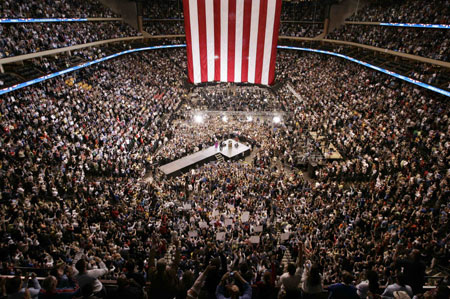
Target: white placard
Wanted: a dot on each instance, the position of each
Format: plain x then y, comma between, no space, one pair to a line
203,224
254,239
220,236
215,213
187,206
245,216
285,236
259,228
228,222
193,234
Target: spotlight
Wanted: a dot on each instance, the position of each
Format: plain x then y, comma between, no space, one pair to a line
198,119
224,118
249,118
276,119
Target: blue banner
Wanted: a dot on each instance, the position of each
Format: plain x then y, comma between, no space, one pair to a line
412,25
6,21
43,78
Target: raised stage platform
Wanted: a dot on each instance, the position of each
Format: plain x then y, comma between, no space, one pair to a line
204,156
330,152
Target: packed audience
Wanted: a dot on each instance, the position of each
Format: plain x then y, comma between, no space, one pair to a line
243,98
300,30
405,11
286,28
164,27
309,10
430,43
212,130
63,60
163,9
81,196
25,38
54,9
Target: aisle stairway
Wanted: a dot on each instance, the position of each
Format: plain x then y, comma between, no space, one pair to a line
219,158
287,258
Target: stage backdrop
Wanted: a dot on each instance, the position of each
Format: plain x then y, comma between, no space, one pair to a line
232,40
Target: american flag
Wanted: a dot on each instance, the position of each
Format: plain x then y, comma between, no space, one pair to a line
232,40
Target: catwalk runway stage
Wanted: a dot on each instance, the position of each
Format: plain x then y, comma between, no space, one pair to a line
209,154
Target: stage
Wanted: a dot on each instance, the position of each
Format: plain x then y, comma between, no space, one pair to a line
209,154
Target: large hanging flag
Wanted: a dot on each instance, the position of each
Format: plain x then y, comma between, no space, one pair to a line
232,40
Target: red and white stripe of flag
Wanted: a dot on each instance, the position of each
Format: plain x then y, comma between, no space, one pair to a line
232,40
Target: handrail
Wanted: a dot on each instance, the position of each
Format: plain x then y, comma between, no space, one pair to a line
381,50
361,23
103,19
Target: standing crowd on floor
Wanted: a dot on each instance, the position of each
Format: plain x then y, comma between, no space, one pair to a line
78,203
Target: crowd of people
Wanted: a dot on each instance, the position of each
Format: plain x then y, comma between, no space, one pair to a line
169,27
430,43
82,199
300,30
25,38
80,194
54,9
243,98
211,130
164,9
309,10
164,27
405,11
